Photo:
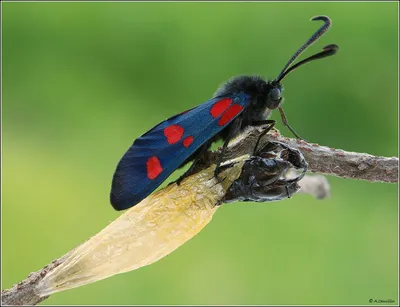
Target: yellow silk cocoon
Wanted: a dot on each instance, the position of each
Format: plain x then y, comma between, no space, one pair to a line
144,233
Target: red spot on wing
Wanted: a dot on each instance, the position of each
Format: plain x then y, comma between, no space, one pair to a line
220,107
187,141
173,133
230,114
154,167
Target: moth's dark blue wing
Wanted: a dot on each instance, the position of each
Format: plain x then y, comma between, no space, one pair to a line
159,152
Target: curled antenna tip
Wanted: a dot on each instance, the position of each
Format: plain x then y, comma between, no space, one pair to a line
333,48
322,17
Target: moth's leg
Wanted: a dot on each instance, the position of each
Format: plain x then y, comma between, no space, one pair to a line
285,122
269,122
287,191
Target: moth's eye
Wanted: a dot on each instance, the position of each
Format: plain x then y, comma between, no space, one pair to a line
275,94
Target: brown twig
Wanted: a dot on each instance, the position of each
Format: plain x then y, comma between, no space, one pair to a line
321,159
346,164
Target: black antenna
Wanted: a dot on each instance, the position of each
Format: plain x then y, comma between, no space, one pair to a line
328,50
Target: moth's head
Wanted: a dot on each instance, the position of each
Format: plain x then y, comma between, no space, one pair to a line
274,95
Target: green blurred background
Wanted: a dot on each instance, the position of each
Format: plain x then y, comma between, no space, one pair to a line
81,81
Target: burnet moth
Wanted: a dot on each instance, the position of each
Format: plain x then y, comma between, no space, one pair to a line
241,102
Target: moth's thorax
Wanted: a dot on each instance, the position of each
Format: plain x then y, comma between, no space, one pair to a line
254,86
264,95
